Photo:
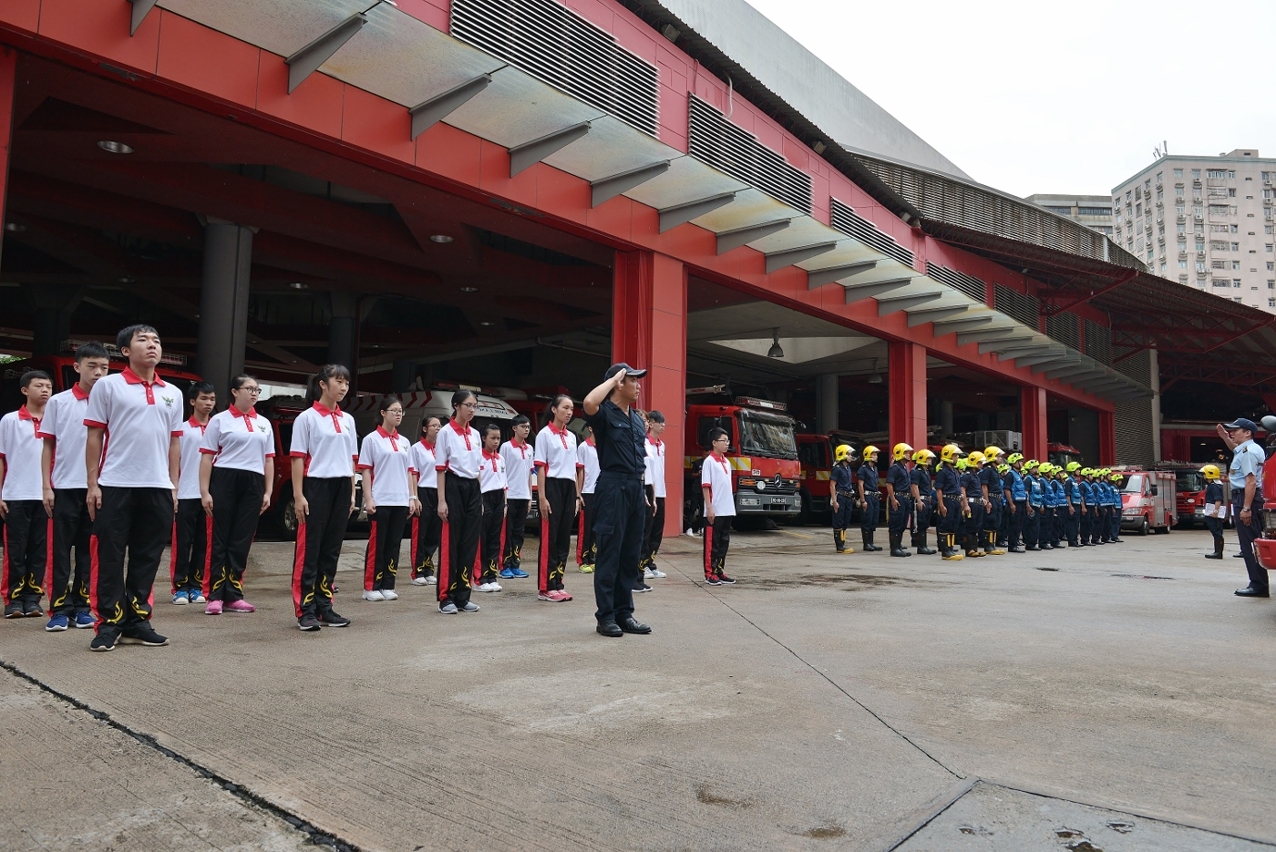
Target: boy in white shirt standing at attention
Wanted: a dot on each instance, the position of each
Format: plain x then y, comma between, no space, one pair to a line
587,471
27,525
519,470
193,527
655,531
133,497
719,509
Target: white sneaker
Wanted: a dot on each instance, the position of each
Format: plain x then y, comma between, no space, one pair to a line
470,607
432,580
448,609
489,587
422,581
373,595
655,574
390,594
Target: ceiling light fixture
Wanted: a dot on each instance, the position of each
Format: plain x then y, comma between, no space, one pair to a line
441,239
14,227
298,285
775,351
876,378
113,147
487,323
469,289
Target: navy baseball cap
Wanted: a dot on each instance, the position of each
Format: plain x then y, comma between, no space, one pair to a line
1242,423
629,371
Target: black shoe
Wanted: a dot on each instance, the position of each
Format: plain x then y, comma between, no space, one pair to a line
32,609
1218,555
142,634
1032,548
1017,549
13,610
927,551
308,623
725,580
611,628
630,625
712,581
329,618
1251,592
640,588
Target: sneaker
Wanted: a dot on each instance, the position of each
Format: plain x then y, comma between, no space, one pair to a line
308,624
32,609
431,580
448,608
213,608
553,596
142,634
642,587
331,619
712,581
197,596
654,574
373,595
57,623
240,606
181,598
13,610
587,569
104,641
390,594
84,620
724,579
470,606
506,574
562,593
422,580
489,587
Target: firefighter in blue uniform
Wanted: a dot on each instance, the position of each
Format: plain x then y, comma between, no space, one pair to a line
990,479
1035,505
1059,496
1214,505
870,497
950,502
1105,513
977,504
841,495
923,500
1072,525
899,495
1115,529
1016,494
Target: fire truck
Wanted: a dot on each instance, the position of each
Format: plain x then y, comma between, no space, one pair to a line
61,367
815,452
766,475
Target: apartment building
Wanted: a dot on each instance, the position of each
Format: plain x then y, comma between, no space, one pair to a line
1093,211
1206,222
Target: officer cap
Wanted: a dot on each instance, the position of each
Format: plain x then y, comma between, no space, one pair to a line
630,372
1242,423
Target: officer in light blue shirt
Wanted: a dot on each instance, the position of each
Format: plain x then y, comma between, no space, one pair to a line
1245,474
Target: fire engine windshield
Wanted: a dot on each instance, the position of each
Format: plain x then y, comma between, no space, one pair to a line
1134,484
767,435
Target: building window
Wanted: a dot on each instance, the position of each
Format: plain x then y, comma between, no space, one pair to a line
1236,298
1236,265
1271,303
1178,173
1236,282
1178,190
1196,174
1236,246
1271,284
1268,248
1094,211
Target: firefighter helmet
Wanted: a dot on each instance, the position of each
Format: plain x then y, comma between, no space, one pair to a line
923,456
1014,457
1031,464
843,452
992,451
1003,468
975,457
901,451
870,451
1211,472
950,453
961,464
1073,467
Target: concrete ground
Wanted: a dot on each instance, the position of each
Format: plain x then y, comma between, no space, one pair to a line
1113,698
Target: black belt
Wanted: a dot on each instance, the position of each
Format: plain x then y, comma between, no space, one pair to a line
621,475
847,494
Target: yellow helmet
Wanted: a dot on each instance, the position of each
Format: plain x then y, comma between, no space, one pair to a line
1002,468
1211,472
1058,471
1032,464
870,451
923,456
842,453
1117,477
1073,467
975,457
961,464
901,451
1045,469
992,451
950,453
1014,457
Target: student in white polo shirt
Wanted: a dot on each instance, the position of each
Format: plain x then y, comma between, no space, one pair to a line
427,526
65,488
458,456
389,495
655,531
27,525
193,527
555,461
719,508
132,487
324,452
587,471
519,471
493,484
236,480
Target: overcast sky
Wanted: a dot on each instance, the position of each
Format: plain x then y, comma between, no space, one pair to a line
1055,97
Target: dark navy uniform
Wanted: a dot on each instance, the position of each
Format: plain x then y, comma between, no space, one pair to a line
992,517
975,523
925,508
1213,496
619,508
897,476
843,483
872,503
948,483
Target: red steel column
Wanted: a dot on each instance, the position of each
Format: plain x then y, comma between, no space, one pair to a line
649,330
8,86
907,366
1107,439
1033,416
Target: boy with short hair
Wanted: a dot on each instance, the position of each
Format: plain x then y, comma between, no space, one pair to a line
65,487
519,470
656,515
27,524
132,491
719,508
587,471
192,526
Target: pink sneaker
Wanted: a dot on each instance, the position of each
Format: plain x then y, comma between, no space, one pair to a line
240,606
563,595
213,608
553,595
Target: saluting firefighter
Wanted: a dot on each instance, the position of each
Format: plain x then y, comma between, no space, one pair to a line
991,485
1015,491
841,495
923,500
1245,475
950,500
899,496
976,502
1115,521
1036,506
870,498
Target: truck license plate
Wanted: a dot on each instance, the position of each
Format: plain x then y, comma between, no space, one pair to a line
779,503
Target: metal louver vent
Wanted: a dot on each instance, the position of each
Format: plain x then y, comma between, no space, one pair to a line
1026,309
968,284
1098,342
713,139
553,44
1063,328
844,218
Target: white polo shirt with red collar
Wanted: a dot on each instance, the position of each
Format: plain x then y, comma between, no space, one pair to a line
388,457
716,473
556,452
492,475
21,447
64,424
656,466
422,456
238,440
587,458
192,443
518,469
458,450
140,419
325,438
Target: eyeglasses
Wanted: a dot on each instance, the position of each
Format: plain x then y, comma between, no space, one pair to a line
394,411
251,390
470,405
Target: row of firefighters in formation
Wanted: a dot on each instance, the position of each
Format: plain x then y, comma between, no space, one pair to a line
981,503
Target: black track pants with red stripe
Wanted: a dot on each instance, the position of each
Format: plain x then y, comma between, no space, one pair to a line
27,541
492,538
586,548
460,539
717,538
69,584
385,539
427,530
237,498
556,532
192,546
132,522
655,532
515,530
314,562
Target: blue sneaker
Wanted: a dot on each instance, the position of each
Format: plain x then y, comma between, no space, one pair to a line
507,574
181,598
197,596
58,622
519,573
84,620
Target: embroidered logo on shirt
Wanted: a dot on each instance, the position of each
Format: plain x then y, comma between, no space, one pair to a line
168,400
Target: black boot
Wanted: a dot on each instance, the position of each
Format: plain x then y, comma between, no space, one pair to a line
920,544
869,536
1218,548
897,545
839,541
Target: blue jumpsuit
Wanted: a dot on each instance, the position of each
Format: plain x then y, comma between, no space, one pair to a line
1115,521
1072,520
872,508
899,479
975,523
925,505
948,482
843,479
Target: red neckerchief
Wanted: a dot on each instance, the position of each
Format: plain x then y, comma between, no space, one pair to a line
562,436
81,395
248,417
194,422
23,414
134,379
463,431
334,413
493,458
393,436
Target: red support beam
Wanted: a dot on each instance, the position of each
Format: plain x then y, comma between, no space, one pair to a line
1107,438
1128,276
8,83
906,363
1034,420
